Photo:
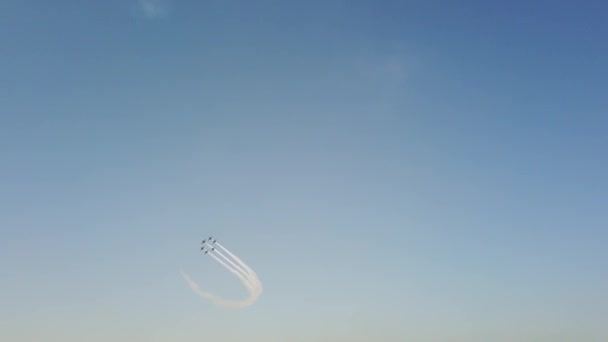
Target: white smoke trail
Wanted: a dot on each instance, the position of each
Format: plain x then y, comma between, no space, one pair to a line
214,250
252,284
249,270
253,281
216,299
246,270
250,287
241,262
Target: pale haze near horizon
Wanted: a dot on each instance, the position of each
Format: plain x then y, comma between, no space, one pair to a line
392,170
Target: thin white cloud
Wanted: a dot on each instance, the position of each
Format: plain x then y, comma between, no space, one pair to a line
154,9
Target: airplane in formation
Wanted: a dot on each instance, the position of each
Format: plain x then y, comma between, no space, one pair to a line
206,250
203,243
209,239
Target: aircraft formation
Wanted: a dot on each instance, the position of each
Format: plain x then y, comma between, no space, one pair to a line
210,240
236,266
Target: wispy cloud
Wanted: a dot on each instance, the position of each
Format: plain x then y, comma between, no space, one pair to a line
154,9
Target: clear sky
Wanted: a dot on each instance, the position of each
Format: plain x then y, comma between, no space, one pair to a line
393,170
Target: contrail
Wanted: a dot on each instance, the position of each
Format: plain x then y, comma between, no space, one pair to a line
243,268
244,273
249,270
217,300
243,279
244,265
252,280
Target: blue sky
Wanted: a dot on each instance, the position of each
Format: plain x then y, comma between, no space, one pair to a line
392,170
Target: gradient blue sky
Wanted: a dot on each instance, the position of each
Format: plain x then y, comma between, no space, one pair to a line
393,170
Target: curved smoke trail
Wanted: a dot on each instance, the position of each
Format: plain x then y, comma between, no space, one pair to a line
242,271
241,262
253,281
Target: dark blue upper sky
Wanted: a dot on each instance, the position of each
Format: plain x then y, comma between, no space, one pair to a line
392,170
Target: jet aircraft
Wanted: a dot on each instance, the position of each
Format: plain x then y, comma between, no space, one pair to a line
209,239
